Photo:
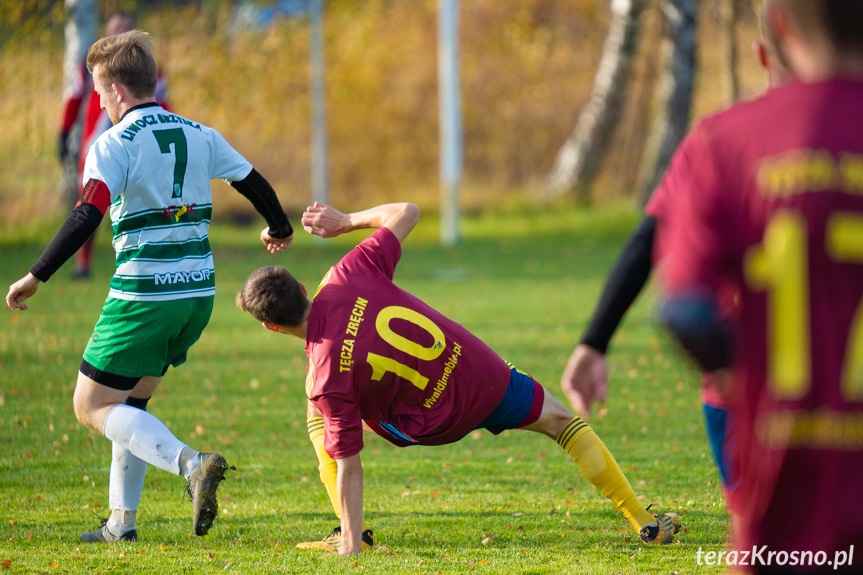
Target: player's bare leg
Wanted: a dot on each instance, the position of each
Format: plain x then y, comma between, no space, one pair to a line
103,409
600,468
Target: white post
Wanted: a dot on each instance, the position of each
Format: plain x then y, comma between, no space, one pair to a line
80,33
318,96
450,120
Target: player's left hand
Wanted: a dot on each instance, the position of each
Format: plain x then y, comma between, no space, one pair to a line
275,245
21,290
585,379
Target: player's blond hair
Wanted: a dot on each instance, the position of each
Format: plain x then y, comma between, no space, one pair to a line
126,59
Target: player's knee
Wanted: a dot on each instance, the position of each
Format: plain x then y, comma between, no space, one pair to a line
555,416
83,409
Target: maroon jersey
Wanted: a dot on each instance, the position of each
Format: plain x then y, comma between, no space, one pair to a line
775,205
676,182
377,353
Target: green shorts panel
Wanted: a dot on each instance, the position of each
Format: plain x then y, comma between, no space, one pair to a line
142,338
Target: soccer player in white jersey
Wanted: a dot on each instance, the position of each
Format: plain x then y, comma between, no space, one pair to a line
153,169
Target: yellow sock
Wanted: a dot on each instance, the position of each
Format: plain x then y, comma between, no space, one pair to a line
327,466
600,468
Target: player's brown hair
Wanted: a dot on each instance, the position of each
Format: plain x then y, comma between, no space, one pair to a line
126,59
273,295
839,23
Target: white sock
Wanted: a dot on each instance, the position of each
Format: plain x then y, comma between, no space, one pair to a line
189,461
121,521
145,436
125,487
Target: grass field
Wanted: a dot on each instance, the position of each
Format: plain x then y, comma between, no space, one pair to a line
508,504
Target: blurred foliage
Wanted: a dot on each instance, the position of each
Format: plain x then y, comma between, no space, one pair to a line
527,70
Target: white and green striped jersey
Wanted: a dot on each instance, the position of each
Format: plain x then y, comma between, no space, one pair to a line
158,168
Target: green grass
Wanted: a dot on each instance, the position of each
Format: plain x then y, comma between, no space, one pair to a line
508,504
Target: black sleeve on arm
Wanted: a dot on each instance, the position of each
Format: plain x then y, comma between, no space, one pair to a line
695,322
624,283
75,231
259,191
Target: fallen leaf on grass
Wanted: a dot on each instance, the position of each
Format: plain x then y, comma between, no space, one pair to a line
483,561
6,563
122,553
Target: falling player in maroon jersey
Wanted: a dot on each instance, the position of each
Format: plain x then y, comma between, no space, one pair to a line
380,356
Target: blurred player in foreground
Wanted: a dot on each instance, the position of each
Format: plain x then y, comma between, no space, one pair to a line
585,378
380,356
153,169
82,103
773,205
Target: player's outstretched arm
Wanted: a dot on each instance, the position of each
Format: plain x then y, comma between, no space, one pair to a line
22,290
350,484
278,235
327,222
78,227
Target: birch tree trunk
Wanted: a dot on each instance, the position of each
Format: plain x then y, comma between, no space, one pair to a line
580,157
728,24
80,33
675,93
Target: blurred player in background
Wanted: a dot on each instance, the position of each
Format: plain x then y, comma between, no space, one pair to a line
380,356
83,104
153,169
772,204
585,378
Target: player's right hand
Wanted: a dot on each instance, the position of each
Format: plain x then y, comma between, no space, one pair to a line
585,379
22,290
